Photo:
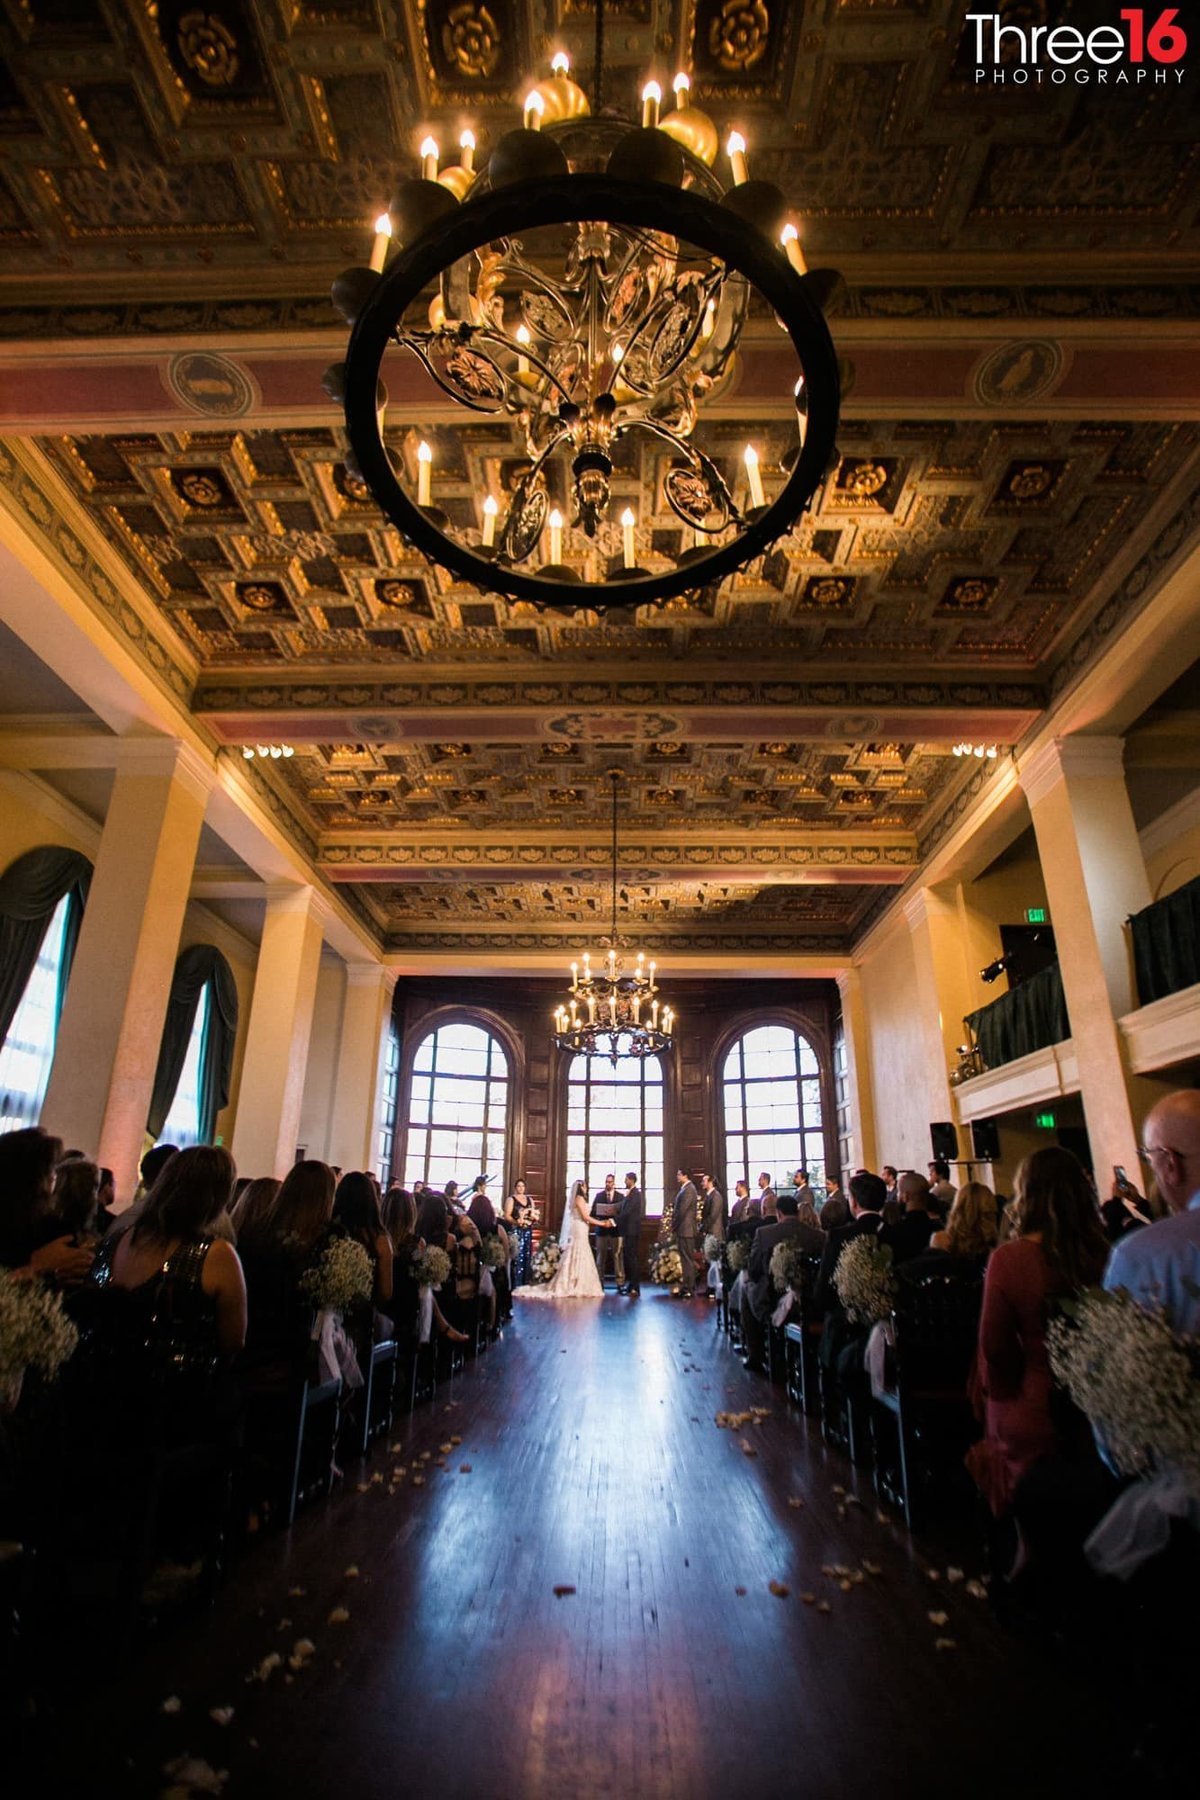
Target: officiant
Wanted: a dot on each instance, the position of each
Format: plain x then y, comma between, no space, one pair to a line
606,1204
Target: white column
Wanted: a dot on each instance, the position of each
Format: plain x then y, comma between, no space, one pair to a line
266,1130
116,1002
859,1098
1095,877
354,1127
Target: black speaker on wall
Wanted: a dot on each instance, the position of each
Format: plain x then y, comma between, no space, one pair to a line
944,1139
985,1140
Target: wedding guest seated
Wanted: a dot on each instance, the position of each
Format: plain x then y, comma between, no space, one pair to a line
941,1188
480,1209
758,1296
73,1202
867,1194
912,1231
286,1241
356,1212
433,1216
399,1215
252,1212
889,1176
164,1308
106,1203
835,1213
971,1234
1160,1266
31,1240
1058,1248
460,1302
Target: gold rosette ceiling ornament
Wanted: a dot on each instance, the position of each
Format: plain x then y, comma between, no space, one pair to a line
587,278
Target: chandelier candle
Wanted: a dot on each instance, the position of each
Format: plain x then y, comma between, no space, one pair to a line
535,106
556,536
651,101
628,551
789,237
522,336
491,507
429,159
735,149
466,145
750,457
383,237
424,475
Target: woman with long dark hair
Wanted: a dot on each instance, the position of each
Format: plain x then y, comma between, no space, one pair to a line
177,1272
31,1240
356,1212
1057,1248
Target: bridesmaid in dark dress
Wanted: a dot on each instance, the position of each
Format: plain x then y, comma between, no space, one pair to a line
518,1217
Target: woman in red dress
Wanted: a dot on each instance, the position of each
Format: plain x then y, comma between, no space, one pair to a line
1057,1248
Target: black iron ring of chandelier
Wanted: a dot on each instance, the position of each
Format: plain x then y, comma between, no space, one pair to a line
380,300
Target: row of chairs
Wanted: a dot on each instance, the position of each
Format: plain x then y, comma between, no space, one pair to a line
912,1435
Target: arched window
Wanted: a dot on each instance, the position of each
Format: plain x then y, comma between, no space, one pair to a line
389,1085
183,1124
772,1096
458,1107
29,1046
615,1123
42,899
195,1058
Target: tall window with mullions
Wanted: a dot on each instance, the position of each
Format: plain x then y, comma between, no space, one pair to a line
773,1121
458,1108
615,1123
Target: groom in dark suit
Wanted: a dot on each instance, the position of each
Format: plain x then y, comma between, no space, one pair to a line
629,1229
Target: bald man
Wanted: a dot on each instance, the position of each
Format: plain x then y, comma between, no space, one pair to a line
1160,1266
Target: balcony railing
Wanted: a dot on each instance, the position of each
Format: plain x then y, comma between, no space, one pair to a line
1029,1017
1166,944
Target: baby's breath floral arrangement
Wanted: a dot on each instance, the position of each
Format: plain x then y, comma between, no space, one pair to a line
35,1332
787,1266
545,1263
713,1248
666,1265
340,1278
432,1267
1136,1379
737,1254
864,1281
493,1252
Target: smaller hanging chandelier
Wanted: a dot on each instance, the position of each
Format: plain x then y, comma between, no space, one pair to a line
612,1011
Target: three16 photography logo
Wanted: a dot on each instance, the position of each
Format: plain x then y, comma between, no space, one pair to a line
1140,48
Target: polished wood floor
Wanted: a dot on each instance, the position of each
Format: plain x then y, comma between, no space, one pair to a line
590,1461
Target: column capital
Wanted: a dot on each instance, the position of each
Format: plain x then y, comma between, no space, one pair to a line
1090,758
922,903
297,897
372,975
847,980
171,757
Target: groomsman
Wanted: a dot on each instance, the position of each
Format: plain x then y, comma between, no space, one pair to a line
714,1208
683,1221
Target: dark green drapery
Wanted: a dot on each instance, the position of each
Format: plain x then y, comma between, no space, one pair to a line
1166,943
198,967
1030,1017
30,889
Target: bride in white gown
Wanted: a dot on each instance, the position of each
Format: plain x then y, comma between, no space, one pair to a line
575,1277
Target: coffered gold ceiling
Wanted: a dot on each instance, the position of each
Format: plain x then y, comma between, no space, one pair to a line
1018,461
260,138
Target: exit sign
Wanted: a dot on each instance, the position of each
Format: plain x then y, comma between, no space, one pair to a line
1035,915
1045,1121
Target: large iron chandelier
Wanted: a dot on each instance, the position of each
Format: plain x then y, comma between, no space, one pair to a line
589,284
611,1010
